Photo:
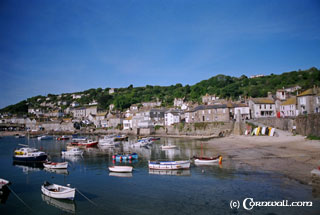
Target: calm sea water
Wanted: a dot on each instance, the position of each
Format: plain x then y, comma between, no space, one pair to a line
200,190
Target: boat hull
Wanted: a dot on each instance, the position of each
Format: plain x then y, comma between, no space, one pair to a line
165,165
87,145
63,165
41,158
205,162
119,158
69,193
121,169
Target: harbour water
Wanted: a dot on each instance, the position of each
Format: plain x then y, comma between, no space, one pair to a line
200,190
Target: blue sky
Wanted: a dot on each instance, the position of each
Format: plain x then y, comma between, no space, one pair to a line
69,46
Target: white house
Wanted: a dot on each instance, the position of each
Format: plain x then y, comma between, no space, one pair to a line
282,94
243,109
76,96
127,123
262,107
172,116
79,112
111,90
288,108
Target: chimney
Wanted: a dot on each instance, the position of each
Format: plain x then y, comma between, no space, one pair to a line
269,95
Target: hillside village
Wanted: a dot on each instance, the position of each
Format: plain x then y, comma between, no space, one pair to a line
60,115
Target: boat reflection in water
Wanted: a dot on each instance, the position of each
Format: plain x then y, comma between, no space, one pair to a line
57,171
28,167
178,172
64,205
121,174
72,158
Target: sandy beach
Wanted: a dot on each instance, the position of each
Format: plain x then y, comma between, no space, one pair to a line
293,156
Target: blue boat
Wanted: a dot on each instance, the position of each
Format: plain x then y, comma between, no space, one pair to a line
125,157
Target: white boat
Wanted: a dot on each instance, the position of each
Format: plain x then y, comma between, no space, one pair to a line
73,152
120,168
3,183
168,147
207,160
169,164
52,165
58,191
44,137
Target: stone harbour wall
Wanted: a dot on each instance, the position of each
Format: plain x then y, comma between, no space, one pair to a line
197,129
308,125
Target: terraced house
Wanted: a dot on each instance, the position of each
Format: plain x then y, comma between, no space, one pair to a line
262,107
208,113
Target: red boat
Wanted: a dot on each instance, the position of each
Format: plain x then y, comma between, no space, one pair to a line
88,143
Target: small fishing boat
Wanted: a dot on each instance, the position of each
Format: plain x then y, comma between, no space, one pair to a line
58,191
207,160
27,154
73,152
168,147
120,168
154,138
121,157
44,137
63,138
169,164
52,165
87,143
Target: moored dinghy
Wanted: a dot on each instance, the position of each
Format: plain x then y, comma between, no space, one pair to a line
120,168
169,164
207,160
52,165
58,191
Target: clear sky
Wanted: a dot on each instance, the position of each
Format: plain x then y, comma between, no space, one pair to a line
68,46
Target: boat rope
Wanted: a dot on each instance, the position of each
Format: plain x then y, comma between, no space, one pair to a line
25,204
87,198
